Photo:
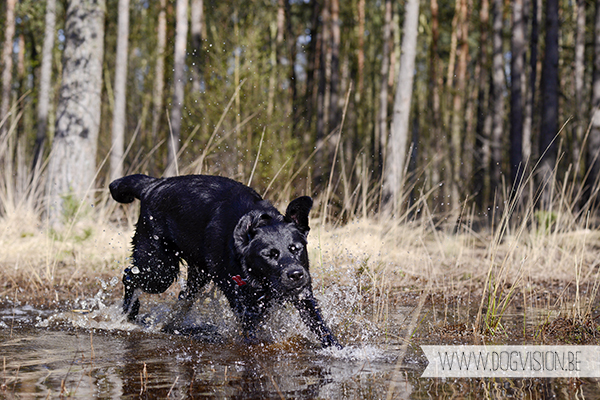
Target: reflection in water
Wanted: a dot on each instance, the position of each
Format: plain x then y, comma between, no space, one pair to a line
120,364
99,355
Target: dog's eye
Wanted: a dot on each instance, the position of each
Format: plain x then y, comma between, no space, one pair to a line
294,248
274,254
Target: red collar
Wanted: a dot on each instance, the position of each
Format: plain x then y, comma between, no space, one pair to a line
238,279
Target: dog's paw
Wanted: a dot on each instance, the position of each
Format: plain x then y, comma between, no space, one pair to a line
331,341
250,339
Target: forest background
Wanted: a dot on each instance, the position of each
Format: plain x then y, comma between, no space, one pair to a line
354,102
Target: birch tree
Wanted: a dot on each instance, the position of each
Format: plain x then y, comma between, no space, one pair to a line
72,163
120,89
196,27
45,82
181,31
393,174
517,64
159,69
497,99
434,92
7,64
382,124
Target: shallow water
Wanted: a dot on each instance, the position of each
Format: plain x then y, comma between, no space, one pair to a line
83,353
91,352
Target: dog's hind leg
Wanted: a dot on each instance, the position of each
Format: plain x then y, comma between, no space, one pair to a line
131,304
155,267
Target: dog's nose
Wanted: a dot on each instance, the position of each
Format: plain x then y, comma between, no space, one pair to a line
296,275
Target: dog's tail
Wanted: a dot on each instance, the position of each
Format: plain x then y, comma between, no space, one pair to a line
129,188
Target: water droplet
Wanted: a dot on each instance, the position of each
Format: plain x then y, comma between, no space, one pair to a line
155,237
135,270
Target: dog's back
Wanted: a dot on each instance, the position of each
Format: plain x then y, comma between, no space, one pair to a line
188,193
209,206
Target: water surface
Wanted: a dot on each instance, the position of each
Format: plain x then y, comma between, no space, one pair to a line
87,351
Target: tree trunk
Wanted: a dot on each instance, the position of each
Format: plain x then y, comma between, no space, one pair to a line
435,82
453,46
448,159
159,70
382,122
277,35
334,85
291,39
45,83
517,64
579,75
549,87
497,99
312,70
7,64
593,156
73,159
21,65
530,103
196,27
291,42
323,49
482,136
393,175
361,49
120,89
181,31
238,152
460,96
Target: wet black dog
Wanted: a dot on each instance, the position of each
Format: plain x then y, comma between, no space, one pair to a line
226,233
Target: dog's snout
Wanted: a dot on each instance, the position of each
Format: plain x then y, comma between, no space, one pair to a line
296,275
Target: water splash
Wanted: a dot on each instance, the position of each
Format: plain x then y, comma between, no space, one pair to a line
366,352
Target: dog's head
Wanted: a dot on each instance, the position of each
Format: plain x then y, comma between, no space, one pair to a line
272,248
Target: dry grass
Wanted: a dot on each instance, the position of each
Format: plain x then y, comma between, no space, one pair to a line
378,256
48,256
525,253
401,255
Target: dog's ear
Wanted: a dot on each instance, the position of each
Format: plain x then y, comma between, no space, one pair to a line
297,212
246,228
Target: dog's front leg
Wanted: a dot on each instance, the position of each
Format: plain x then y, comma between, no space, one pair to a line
311,316
250,320
131,304
182,307
187,297
177,315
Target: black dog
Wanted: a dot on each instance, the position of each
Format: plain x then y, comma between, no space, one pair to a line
226,233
